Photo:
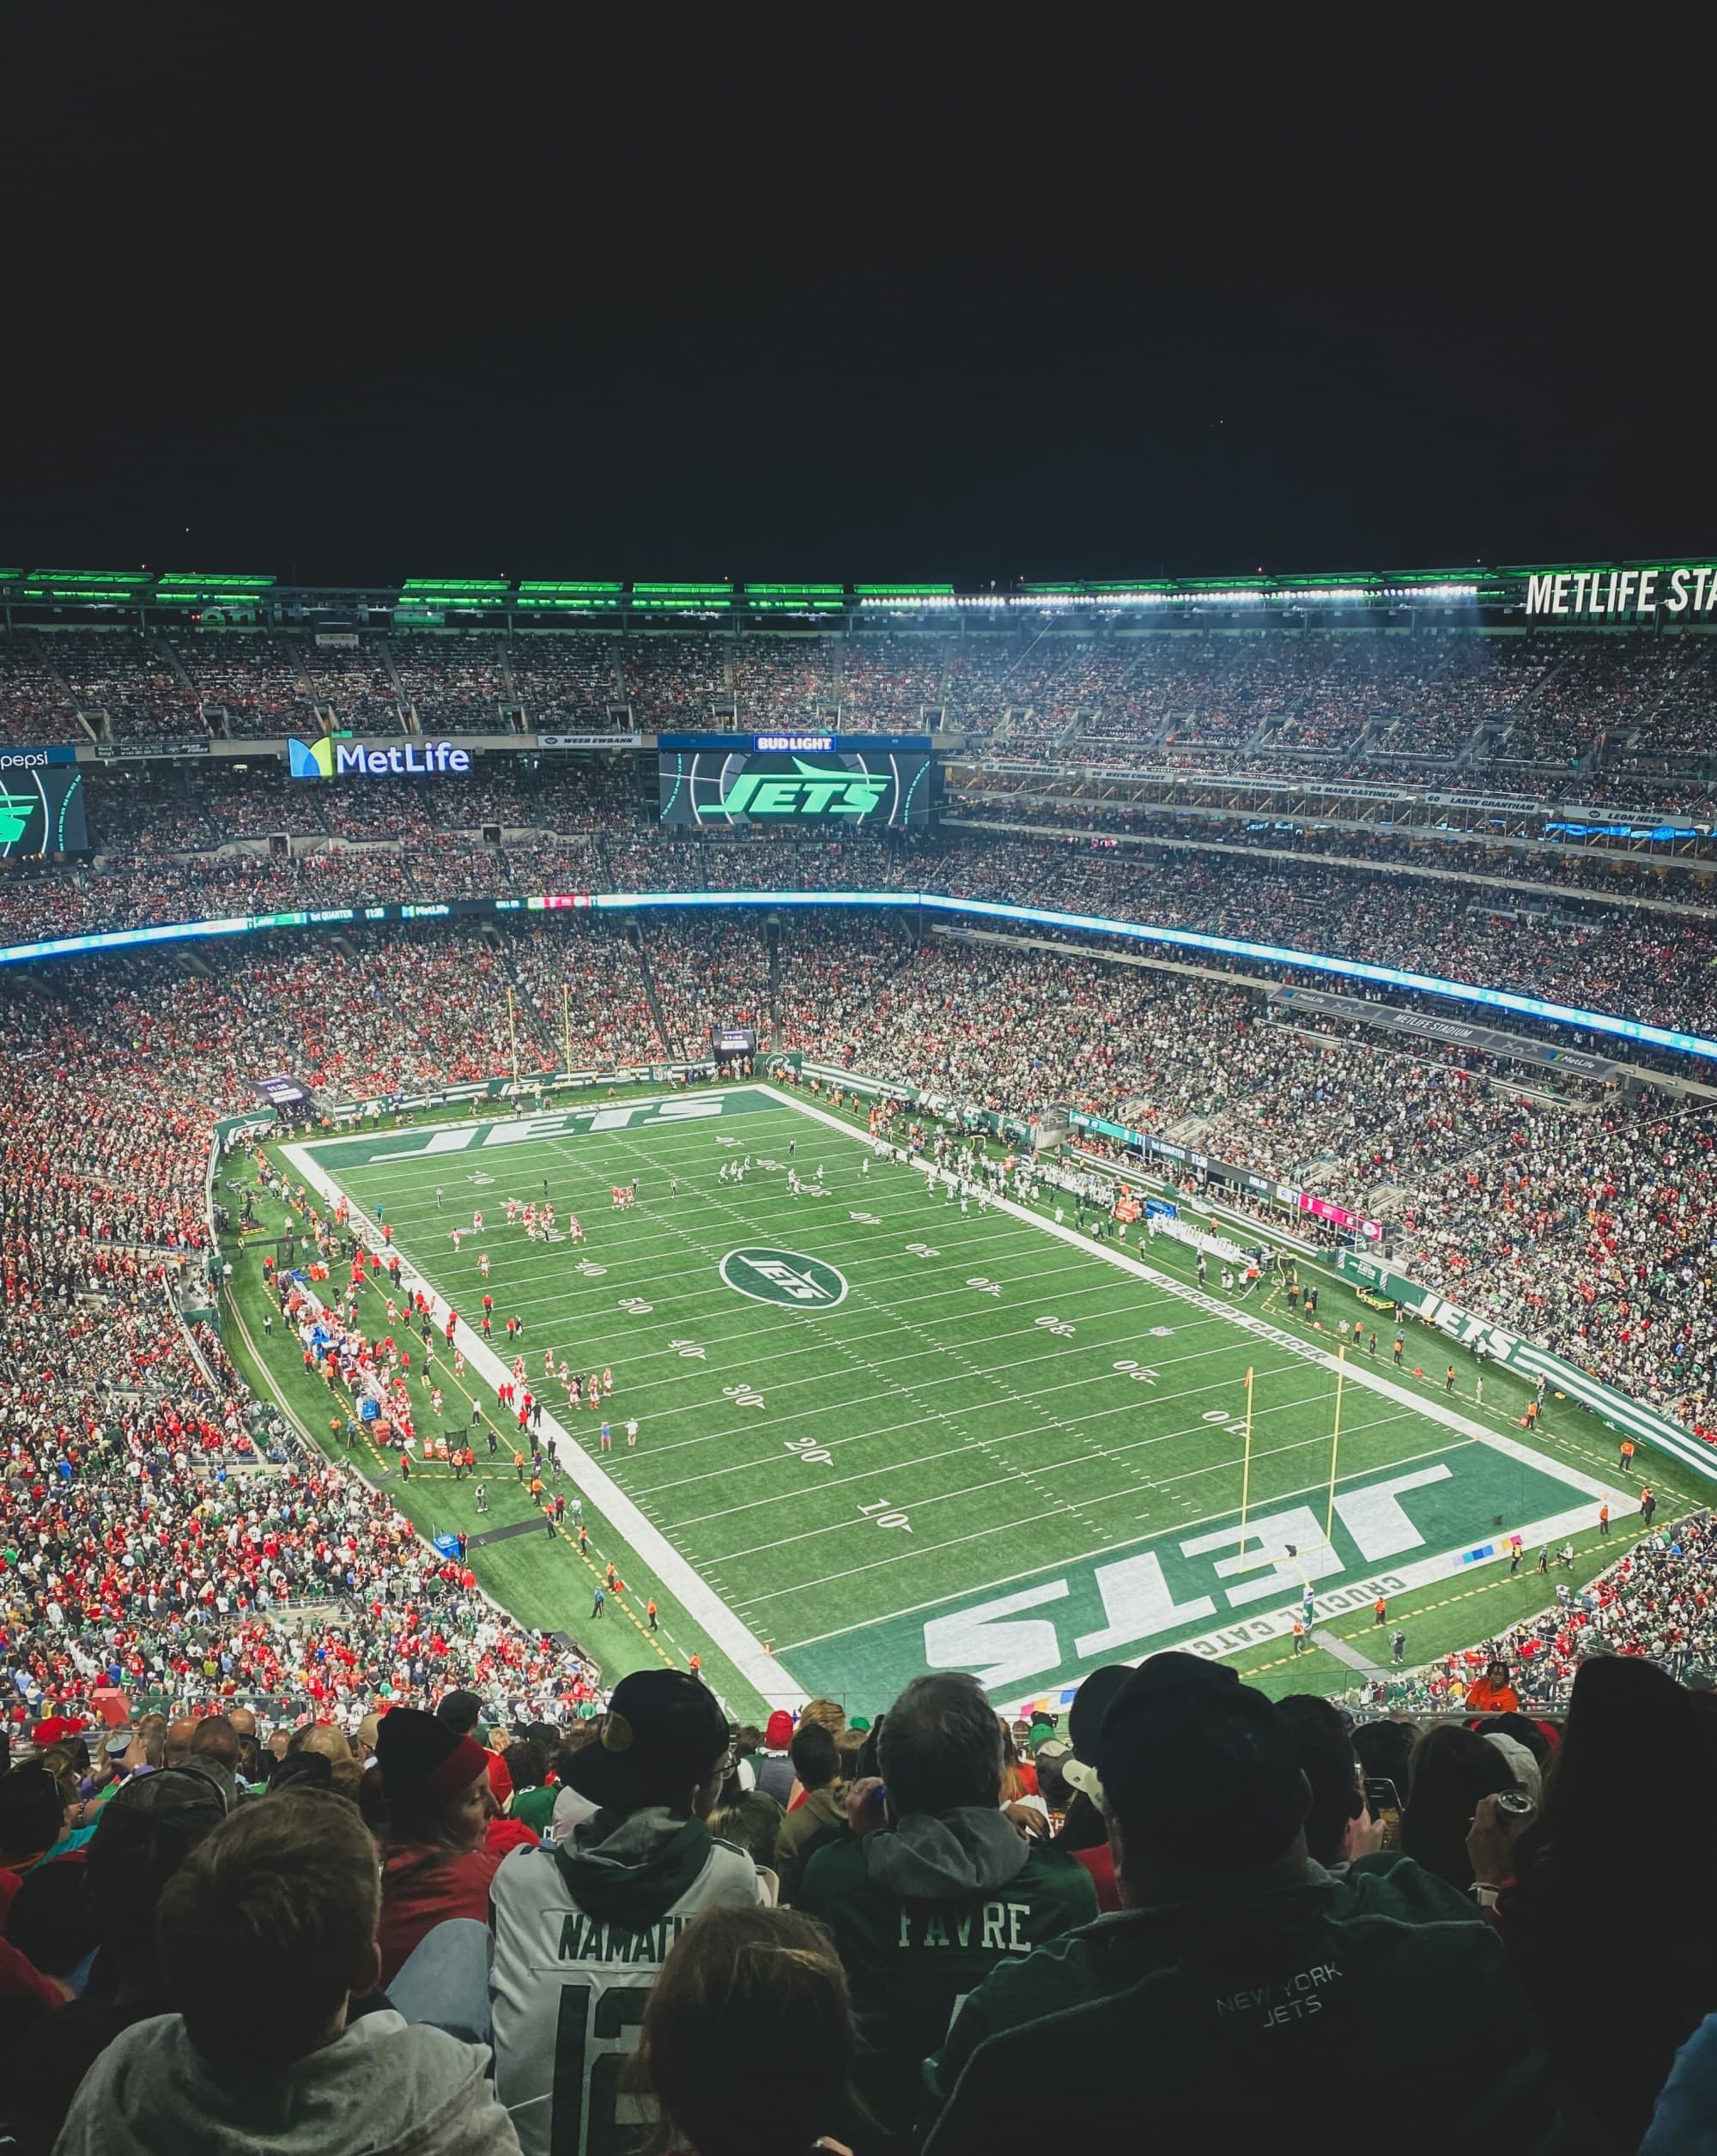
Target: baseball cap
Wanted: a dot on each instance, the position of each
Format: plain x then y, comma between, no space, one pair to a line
1084,1723
1201,1764
662,1732
1054,1756
779,1733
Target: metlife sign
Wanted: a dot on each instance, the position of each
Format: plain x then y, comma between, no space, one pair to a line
1607,595
330,758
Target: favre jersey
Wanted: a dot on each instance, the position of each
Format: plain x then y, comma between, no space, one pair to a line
578,1935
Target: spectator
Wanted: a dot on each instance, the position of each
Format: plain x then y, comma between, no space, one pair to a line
434,1866
1385,1752
747,2038
462,1712
322,1740
268,1934
32,1820
606,1905
822,1814
923,1908
1452,1769
1338,1825
1633,1738
1085,1828
773,1765
1493,1693
146,1832
532,1801
1107,1957
752,1821
1229,1932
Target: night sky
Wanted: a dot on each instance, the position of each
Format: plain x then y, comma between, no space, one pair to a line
949,292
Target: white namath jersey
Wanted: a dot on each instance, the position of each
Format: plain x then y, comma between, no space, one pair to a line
568,1988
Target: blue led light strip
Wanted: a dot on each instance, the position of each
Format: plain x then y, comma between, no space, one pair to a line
983,909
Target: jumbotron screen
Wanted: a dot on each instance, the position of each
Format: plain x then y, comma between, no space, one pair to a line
839,780
42,807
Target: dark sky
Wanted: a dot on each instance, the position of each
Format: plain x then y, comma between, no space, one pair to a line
965,291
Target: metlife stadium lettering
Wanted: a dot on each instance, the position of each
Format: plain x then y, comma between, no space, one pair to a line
1592,595
376,763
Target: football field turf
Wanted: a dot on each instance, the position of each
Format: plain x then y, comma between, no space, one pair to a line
879,1433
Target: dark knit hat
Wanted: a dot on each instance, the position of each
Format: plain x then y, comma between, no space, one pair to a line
461,1710
417,1752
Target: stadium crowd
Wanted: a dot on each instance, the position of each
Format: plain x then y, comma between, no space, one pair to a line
434,1925
1585,1222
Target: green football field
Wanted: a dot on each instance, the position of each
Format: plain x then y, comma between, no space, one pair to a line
879,1433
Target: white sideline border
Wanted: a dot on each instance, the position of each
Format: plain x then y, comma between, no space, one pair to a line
738,1642
747,1652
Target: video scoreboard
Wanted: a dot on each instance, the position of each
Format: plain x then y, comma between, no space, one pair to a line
838,781
41,804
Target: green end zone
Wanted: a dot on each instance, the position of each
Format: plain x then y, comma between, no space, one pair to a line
880,1432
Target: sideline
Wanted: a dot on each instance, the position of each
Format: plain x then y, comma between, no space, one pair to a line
695,1596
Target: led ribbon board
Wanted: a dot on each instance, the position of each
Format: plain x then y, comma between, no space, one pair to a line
983,909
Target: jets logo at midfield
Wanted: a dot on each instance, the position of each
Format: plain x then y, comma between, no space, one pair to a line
787,1277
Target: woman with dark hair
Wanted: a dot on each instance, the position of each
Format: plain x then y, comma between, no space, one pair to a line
747,2042
1638,1937
1451,1770
438,1804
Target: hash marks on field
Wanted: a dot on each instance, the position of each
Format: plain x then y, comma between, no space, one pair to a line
933,1334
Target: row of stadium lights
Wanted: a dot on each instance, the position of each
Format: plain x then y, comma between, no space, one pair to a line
1333,596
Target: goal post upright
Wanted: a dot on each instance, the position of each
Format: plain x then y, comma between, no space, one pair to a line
1335,1446
1246,1464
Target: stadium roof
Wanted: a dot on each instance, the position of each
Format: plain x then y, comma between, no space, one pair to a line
433,601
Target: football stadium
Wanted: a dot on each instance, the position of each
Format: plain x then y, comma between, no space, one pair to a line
817,1140
858,1048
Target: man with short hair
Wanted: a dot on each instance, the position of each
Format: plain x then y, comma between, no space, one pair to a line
581,1928
148,1828
821,1813
1239,1984
267,1932
924,1908
1338,1825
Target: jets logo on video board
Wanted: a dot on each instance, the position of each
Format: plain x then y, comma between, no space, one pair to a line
838,782
49,818
784,1276
817,790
